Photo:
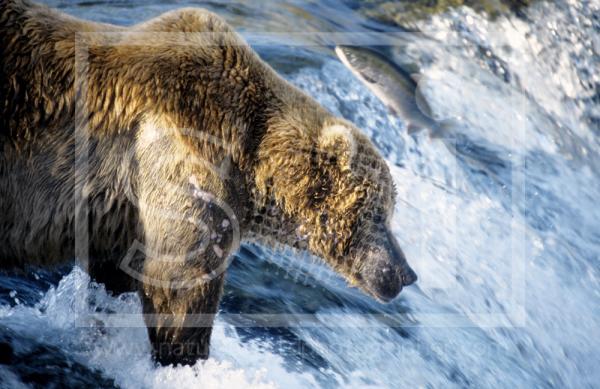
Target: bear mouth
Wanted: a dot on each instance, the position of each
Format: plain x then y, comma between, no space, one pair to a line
384,270
383,295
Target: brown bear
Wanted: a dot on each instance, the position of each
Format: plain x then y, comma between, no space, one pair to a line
149,153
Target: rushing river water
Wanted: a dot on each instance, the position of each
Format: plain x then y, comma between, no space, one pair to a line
500,221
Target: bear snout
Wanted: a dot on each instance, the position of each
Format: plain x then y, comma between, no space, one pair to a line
387,281
386,271
397,258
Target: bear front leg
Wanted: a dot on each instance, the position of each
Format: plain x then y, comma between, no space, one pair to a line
180,321
186,254
188,231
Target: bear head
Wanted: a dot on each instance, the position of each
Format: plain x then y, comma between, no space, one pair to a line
336,193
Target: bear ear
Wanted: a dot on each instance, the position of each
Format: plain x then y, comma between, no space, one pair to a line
339,144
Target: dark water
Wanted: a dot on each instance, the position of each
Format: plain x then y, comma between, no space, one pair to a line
502,225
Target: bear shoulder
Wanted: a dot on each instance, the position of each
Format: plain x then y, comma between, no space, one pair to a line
198,36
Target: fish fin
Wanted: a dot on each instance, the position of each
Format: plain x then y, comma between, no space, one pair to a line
417,77
409,67
422,103
413,129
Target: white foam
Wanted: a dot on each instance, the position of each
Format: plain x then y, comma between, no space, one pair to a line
124,353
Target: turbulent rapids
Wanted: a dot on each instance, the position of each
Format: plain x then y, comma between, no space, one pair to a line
500,222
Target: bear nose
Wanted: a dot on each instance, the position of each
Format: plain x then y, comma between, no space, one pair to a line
409,277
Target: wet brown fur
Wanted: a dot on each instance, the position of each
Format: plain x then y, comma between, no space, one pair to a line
100,138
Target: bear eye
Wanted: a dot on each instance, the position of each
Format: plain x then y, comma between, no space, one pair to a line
323,218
